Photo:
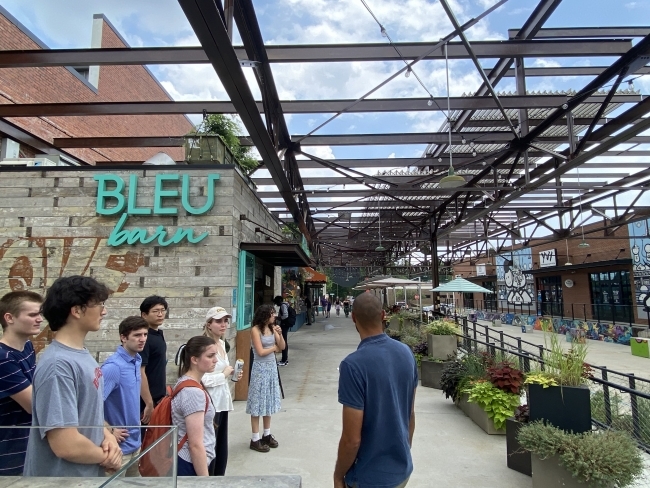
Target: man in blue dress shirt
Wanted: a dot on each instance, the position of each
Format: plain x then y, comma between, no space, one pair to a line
122,382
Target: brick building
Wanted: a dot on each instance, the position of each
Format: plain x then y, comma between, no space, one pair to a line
87,84
213,243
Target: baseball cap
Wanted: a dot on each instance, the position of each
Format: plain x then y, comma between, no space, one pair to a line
217,313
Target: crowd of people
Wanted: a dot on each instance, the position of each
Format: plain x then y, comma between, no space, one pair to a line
67,390
124,399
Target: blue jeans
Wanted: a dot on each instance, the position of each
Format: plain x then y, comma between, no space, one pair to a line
187,469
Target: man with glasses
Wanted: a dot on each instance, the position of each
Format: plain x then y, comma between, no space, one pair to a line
68,438
154,356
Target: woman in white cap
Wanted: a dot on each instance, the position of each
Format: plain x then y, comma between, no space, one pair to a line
216,382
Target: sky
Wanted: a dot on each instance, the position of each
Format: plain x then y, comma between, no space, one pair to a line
67,24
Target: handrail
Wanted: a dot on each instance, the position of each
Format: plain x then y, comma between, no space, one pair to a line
541,348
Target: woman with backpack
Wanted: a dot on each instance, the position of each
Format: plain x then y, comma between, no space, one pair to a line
192,409
264,393
217,384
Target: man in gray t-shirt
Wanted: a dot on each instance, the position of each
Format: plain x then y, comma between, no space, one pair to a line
67,399
68,388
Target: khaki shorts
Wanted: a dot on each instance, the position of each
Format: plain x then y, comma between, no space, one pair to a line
133,470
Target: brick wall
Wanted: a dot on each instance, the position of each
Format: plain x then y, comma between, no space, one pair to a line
116,83
50,229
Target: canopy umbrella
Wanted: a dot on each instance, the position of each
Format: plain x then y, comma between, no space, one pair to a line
461,285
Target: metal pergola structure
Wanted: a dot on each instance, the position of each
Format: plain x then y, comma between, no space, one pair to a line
518,152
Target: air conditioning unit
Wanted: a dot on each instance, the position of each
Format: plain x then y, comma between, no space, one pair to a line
33,162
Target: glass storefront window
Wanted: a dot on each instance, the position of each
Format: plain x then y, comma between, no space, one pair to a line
549,295
246,290
611,294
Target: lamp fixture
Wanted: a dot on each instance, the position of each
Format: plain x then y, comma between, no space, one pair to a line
452,180
408,72
584,244
383,31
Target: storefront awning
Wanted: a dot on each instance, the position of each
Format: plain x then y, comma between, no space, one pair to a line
289,255
312,276
572,267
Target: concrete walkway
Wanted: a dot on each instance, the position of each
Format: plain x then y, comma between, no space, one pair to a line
448,449
616,357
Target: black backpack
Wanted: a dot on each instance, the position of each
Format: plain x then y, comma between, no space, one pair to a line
291,319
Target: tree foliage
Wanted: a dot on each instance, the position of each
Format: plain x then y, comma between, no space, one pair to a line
230,130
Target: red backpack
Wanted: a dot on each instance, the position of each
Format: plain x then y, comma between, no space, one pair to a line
159,460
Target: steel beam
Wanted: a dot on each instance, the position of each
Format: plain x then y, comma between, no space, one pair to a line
585,32
309,53
80,142
569,71
213,36
293,106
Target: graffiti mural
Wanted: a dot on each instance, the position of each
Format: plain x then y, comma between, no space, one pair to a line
640,253
594,330
34,263
515,287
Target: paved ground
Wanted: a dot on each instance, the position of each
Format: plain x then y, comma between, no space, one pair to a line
448,449
614,356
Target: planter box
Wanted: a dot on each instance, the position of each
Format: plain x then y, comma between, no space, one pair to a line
442,346
479,417
517,458
431,373
565,407
639,347
549,473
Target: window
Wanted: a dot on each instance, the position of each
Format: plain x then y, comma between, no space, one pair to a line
245,290
549,295
490,298
611,294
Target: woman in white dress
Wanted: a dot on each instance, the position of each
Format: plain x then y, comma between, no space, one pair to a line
218,385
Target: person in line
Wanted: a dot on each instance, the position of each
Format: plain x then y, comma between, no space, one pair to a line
67,398
217,384
192,410
337,305
377,386
20,317
329,307
264,389
153,370
310,319
122,381
286,322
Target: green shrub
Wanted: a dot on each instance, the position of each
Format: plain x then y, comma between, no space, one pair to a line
567,368
498,404
604,458
440,327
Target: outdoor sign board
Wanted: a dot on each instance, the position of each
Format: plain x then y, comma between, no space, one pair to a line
548,258
480,270
166,188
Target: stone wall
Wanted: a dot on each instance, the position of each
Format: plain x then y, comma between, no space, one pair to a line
49,228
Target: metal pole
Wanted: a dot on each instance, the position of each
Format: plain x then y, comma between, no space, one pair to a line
175,455
636,427
606,399
541,357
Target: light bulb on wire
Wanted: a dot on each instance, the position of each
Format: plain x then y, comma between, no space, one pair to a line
383,32
408,72
430,102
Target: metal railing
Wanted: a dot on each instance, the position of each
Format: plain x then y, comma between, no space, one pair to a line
601,312
619,401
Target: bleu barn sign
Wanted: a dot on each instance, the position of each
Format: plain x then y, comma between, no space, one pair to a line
125,203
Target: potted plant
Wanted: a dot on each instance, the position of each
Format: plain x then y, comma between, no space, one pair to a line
443,340
518,458
593,459
559,394
431,372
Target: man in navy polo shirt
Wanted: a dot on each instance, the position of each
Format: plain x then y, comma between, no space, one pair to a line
377,390
122,382
20,317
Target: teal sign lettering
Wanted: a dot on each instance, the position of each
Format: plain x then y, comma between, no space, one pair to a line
110,191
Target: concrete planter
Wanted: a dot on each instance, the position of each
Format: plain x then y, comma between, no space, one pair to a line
442,346
431,372
565,407
479,417
517,458
549,473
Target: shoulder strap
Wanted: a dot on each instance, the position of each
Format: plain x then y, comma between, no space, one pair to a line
193,384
